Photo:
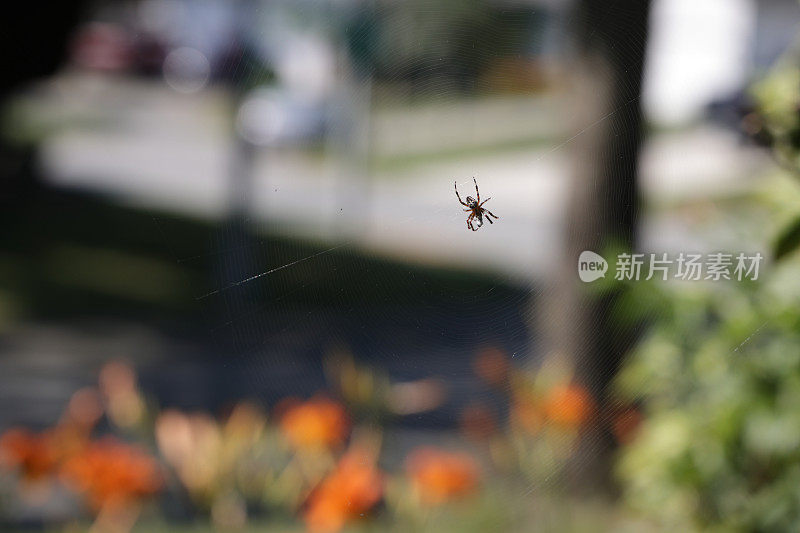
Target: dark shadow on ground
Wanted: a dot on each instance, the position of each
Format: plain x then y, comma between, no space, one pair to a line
89,280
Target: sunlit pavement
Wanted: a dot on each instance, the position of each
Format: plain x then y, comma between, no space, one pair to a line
175,154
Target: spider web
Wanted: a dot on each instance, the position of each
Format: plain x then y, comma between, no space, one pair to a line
409,324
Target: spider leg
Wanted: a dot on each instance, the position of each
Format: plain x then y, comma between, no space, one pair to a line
455,186
471,220
483,202
492,214
476,189
489,219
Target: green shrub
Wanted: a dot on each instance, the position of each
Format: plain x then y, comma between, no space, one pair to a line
719,380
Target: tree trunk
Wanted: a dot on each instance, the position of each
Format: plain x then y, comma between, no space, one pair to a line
603,205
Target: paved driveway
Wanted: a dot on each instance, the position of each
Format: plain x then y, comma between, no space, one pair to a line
173,152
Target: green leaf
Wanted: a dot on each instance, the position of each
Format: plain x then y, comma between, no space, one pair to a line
788,240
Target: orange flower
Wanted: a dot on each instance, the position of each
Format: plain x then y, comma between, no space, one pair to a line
317,423
109,472
439,475
354,488
492,365
68,439
569,405
35,455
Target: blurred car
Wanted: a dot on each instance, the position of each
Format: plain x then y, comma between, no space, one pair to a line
109,47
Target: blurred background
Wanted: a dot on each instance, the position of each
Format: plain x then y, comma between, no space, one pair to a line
237,290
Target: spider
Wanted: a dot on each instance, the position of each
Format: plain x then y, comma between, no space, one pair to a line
476,209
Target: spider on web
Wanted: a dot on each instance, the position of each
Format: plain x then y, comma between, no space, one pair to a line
475,208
